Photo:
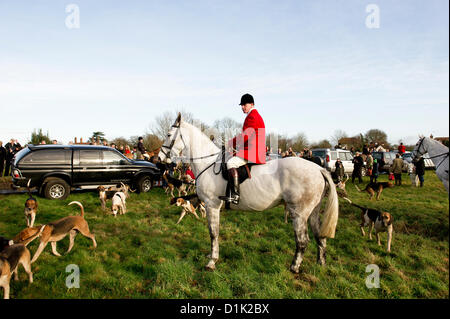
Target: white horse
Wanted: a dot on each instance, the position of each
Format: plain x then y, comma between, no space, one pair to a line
300,184
438,154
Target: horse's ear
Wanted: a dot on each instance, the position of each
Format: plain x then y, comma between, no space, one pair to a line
178,120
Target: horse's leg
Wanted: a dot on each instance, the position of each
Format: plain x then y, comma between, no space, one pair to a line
314,222
299,220
213,215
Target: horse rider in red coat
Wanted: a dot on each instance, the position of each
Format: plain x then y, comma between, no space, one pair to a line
248,147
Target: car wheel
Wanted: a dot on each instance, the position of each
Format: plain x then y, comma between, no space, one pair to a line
56,189
144,184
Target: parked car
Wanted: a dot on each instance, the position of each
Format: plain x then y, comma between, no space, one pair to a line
329,157
58,169
386,159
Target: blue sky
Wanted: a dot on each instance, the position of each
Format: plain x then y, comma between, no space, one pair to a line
312,66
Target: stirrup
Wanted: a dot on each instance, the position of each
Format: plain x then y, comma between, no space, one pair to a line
230,199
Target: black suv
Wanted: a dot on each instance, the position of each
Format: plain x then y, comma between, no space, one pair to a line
56,169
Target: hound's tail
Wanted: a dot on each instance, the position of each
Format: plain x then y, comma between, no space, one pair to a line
28,188
81,206
353,204
330,218
33,237
359,189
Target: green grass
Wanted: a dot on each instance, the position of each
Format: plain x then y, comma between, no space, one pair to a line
144,254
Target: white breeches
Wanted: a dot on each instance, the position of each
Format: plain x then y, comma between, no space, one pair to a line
236,162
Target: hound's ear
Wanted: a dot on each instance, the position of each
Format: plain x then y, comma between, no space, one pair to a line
391,219
178,120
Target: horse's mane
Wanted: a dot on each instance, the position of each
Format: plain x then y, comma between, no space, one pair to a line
198,136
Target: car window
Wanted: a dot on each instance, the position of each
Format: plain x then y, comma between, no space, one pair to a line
342,156
377,156
319,153
112,158
48,157
91,157
348,156
333,156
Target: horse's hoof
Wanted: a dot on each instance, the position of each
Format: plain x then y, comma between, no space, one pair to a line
295,269
211,266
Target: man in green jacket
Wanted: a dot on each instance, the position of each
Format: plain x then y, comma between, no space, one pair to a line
397,167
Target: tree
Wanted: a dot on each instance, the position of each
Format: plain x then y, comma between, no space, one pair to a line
225,128
299,142
322,144
337,135
163,123
97,136
376,136
38,136
152,142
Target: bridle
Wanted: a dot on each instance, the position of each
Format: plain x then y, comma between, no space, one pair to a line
419,154
172,143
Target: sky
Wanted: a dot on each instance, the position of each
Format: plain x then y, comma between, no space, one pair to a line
312,66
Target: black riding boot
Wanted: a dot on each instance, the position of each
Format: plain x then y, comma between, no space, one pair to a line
233,187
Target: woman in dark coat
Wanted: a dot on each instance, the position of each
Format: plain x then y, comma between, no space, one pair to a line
340,172
374,175
358,163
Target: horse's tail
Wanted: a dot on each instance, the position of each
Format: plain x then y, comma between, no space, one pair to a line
330,218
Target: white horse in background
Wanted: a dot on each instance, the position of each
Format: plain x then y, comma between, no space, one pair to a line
438,154
300,184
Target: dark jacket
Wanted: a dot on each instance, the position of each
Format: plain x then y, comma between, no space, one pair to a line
375,169
141,147
357,162
339,169
420,166
2,154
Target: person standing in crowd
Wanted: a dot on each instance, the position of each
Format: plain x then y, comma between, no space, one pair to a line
127,152
369,163
396,168
121,149
340,172
352,150
357,167
374,175
290,152
401,149
190,172
365,150
141,149
420,169
2,158
10,151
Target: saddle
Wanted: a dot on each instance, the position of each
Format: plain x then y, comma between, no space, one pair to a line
244,171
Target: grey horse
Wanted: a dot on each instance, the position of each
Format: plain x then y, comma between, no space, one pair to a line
300,184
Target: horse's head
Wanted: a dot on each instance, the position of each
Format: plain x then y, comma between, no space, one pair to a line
419,149
174,142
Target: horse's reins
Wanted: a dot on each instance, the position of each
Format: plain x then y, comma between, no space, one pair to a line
172,143
435,156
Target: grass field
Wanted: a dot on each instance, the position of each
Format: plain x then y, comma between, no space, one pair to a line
144,254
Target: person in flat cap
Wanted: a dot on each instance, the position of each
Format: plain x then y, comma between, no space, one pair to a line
248,147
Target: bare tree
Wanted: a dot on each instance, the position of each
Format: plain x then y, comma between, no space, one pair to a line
226,128
337,135
299,142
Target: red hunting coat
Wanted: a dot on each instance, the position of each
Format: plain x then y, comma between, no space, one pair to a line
251,143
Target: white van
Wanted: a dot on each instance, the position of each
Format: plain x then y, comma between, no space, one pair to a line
329,157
